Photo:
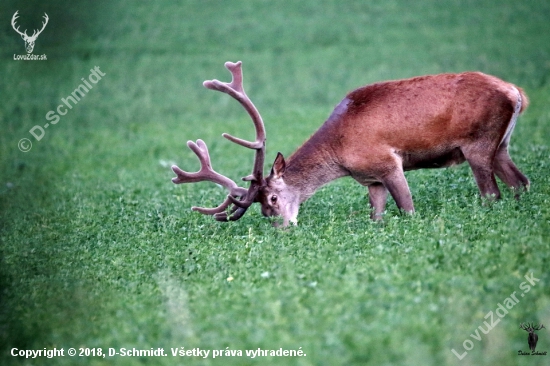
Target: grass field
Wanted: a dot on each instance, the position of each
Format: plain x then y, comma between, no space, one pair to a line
98,249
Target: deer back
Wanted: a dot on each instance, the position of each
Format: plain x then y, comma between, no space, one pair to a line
423,119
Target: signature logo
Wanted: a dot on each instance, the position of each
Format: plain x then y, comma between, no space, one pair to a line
532,338
29,40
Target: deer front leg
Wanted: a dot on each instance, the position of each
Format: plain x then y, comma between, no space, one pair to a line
398,187
377,199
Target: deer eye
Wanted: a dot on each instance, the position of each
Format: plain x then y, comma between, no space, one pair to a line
273,199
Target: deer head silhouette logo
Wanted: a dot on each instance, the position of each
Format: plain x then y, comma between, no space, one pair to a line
533,338
29,40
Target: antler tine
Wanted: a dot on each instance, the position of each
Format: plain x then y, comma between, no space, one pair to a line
44,23
37,32
219,212
206,173
234,214
213,211
13,20
235,89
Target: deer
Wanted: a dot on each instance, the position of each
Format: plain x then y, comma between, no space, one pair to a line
532,338
29,40
375,134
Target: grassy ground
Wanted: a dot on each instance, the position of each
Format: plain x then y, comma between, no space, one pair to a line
99,249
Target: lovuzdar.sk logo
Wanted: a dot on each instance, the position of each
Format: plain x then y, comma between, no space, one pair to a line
29,40
532,339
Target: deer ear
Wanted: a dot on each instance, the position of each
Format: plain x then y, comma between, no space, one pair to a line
279,166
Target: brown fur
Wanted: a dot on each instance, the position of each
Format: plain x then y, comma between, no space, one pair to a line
380,130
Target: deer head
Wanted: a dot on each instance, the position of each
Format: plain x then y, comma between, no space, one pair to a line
277,197
29,40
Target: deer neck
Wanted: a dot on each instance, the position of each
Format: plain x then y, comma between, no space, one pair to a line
313,165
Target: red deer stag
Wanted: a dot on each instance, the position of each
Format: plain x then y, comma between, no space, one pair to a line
375,134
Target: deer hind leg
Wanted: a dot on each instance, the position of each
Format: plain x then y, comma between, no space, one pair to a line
481,157
377,199
506,171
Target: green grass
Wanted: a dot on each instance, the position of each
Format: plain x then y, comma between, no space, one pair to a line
99,249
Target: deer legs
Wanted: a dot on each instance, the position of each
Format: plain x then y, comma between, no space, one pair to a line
377,199
485,163
506,171
485,179
483,160
397,185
